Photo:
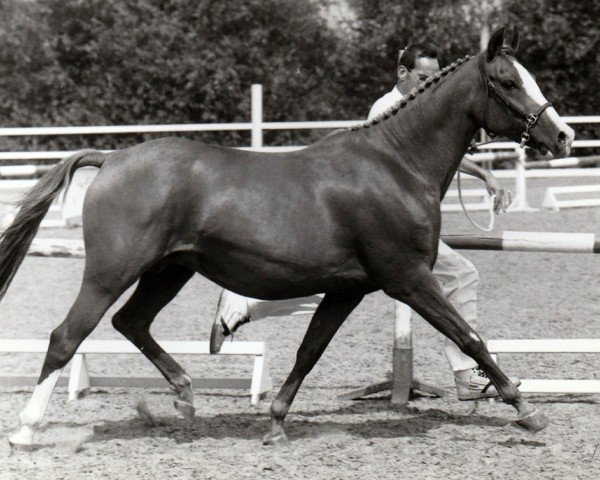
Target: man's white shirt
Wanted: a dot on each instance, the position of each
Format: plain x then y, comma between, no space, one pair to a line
385,102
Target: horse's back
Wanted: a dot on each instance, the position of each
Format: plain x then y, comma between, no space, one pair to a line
227,208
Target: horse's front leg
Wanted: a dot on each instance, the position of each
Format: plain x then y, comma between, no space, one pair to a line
330,314
423,294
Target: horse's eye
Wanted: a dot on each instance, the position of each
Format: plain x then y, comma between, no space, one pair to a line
508,84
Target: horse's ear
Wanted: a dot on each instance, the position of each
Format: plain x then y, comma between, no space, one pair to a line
511,38
495,44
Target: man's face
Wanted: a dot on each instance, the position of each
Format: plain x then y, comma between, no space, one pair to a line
409,79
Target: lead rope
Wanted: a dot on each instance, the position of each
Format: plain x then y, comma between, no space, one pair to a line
473,222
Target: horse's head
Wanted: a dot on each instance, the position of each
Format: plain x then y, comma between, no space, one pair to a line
515,106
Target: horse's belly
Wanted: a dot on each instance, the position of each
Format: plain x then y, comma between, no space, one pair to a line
263,276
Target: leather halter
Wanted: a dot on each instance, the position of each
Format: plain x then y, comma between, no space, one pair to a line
529,118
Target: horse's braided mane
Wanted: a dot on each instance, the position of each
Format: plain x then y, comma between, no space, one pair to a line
436,77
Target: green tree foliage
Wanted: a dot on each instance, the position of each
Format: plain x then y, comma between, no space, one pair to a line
30,79
98,62
561,44
385,26
108,62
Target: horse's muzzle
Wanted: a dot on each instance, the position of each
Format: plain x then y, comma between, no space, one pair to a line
564,142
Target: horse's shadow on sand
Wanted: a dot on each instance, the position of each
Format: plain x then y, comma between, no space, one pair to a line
400,422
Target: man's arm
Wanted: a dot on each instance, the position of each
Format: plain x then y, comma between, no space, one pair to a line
491,183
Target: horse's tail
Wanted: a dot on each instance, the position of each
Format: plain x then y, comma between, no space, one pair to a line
16,239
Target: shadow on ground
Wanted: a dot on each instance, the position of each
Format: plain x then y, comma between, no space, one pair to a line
411,422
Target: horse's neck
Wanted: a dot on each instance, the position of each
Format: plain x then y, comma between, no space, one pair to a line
434,131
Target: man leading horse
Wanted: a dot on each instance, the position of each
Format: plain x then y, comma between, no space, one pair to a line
457,276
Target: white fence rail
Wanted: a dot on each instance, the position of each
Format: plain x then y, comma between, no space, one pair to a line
257,127
550,345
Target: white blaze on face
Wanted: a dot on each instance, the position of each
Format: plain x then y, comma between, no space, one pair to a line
533,91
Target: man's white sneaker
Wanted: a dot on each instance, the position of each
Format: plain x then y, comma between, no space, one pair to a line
473,384
232,311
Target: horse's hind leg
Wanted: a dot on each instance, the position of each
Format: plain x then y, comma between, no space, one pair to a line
154,291
89,307
330,314
426,298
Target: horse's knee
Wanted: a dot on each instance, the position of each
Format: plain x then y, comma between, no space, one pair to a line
60,349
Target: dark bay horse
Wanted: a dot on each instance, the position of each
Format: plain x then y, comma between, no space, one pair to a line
356,212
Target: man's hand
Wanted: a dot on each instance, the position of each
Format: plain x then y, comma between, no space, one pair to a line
494,188
501,201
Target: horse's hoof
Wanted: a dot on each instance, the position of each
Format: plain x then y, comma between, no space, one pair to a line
186,410
23,439
535,421
278,440
21,447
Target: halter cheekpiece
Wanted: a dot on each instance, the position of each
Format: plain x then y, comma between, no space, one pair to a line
529,118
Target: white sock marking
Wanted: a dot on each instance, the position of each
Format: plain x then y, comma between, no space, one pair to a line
36,407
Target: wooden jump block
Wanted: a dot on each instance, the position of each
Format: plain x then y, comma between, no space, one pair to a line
400,382
552,202
80,379
574,345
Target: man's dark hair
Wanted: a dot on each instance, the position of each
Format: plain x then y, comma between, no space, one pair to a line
409,55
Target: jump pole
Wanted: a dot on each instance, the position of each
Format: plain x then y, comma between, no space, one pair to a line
564,162
559,242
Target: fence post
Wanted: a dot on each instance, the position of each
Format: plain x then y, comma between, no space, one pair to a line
257,133
519,203
402,361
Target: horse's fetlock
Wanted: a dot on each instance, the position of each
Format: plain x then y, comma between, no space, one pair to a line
184,381
279,409
513,397
182,385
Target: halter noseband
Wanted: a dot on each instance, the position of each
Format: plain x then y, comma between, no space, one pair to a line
529,118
